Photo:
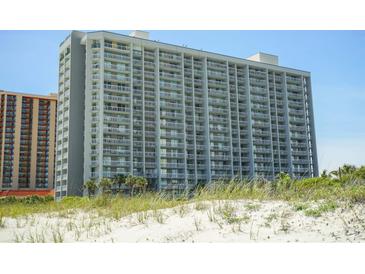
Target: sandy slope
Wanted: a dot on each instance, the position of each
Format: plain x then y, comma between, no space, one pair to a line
217,221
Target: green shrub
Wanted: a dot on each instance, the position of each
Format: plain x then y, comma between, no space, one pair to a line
48,198
8,200
314,183
326,206
300,206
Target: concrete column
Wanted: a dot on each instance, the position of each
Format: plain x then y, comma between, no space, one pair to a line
143,118
229,117
194,129
131,107
269,110
238,121
286,118
184,121
277,123
18,121
310,171
33,158
157,85
100,138
312,128
3,140
88,105
206,119
250,141
51,146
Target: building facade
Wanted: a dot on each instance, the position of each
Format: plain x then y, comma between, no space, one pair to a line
27,141
176,115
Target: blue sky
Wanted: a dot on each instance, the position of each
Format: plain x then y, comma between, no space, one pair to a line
336,59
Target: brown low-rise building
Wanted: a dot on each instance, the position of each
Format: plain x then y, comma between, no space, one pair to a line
27,141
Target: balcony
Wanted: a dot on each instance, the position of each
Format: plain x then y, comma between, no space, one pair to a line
295,104
262,150
259,115
220,148
258,74
116,109
116,88
301,170
263,168
172,154
171,114
119,99
220,167
170,66
218,110
112,119
216,65
116,130
114,141
295,112
262,142
171,95
163,123
260,99
149,64
117,152
218,129
172,175
114,77
295,96
215,157
169,105
172,86
170,56
118,57
258,91
172,135
300,152
172,165
263,159
217,74
218,102
149,154
217,93
294,87
298,135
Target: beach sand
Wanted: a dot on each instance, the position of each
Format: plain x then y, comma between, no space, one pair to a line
206,221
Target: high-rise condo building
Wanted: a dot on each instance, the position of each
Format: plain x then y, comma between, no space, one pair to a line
27,141
176,115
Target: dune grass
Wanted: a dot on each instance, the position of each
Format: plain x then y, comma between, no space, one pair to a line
296,191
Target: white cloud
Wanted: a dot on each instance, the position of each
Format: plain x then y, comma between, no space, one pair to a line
336,152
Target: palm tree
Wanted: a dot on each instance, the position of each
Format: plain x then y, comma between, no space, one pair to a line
119,180
136,182
130,181
348,169
336,173
324,174
360,172
105,185
283,181
344,170
91,187
141,183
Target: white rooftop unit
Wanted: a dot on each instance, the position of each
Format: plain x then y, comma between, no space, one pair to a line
140,34
265,58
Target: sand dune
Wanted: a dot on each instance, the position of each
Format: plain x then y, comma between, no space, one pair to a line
209,221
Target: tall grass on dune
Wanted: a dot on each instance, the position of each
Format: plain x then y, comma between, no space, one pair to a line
347,188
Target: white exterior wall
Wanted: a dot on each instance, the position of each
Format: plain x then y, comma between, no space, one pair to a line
254,119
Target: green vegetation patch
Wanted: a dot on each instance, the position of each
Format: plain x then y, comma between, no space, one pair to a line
327,206
344,185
